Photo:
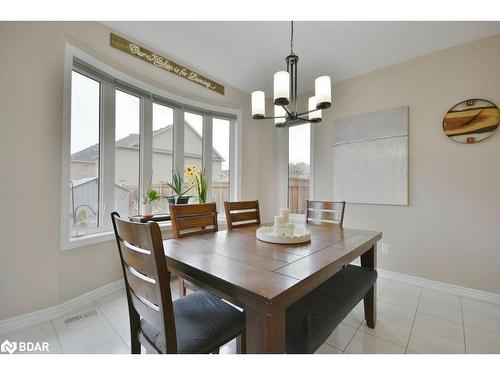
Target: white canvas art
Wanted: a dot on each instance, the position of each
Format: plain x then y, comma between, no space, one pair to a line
370,158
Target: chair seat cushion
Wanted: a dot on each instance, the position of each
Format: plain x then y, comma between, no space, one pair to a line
312,319
202,320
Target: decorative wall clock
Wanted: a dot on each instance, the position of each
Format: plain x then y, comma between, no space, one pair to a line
471,121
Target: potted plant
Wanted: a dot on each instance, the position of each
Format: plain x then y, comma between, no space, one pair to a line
178,188
147,204
198,179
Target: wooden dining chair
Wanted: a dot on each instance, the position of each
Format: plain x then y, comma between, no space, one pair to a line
239,214
198,323
189,220
319,212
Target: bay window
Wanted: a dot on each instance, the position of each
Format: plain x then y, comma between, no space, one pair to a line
123,138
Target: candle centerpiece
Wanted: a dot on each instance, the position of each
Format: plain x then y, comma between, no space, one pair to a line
283,231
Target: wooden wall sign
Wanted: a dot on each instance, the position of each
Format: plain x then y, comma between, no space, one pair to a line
471,121
162,62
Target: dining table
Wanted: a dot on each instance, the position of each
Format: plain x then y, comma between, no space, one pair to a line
265,278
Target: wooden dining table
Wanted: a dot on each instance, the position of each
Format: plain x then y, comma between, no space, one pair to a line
265,278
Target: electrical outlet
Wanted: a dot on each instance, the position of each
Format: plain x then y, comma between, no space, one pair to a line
385,248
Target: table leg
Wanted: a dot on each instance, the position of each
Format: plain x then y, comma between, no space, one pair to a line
265,330
369,259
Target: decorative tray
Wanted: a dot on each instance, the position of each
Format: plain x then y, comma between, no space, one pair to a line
300,235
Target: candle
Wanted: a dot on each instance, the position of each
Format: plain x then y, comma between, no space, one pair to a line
279,220
289,229
285,212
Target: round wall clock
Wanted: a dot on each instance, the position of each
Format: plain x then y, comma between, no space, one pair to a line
471,121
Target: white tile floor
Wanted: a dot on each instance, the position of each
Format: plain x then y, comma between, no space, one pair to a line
410,320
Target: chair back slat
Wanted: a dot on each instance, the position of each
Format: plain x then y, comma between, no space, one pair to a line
242,213
147,310
190,222
325,212
147,279
191,219
243,205
142,286
138,258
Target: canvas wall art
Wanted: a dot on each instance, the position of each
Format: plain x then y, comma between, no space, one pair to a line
370,158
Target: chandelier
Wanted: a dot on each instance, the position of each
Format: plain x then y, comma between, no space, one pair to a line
285,94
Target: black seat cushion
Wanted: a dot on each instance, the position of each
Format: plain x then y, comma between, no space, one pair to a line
310,320
201,321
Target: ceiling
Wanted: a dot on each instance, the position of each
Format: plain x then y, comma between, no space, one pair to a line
247,54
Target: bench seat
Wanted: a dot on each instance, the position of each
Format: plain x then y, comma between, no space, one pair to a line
312,319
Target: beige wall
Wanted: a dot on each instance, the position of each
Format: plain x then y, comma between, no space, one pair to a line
34,273
450,230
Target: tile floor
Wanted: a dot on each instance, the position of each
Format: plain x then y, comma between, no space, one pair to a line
410,320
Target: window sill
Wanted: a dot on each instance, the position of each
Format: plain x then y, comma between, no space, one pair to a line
95,238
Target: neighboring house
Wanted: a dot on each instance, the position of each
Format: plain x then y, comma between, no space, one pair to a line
84,201
84,163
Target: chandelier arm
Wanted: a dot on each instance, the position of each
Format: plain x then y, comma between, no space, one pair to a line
305,113
269,118
286,110
312,121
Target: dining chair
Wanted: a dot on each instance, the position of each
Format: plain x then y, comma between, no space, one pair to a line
192,219
239,214
197,323
319,212
189,220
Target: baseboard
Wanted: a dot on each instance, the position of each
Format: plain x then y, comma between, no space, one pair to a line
53,312
462,291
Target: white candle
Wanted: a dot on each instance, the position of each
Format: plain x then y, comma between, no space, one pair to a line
279,220
285,212
289,229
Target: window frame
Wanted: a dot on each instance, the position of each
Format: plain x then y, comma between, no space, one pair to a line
112,79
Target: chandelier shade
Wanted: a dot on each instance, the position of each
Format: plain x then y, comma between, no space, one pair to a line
279,115
314,114
258,104
323,92
286,113
281,88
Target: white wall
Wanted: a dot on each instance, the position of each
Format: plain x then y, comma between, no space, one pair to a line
450,230
34,273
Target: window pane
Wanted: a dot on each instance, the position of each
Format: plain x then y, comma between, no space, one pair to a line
85,99
163,140
127,129
298,167
193,142
220,163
